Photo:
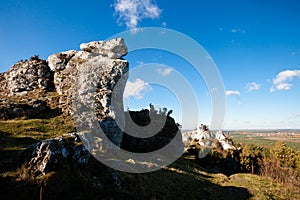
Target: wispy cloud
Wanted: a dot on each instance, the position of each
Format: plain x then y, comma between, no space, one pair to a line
139,62
281,82
232,92
131,12
253,86
164,71
238,30
294,116
296,52
136,89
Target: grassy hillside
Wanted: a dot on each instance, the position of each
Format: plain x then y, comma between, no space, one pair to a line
184,179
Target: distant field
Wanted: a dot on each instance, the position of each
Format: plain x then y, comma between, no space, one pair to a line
267,138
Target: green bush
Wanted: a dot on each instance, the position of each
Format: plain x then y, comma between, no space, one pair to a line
251,157
283,164
279,162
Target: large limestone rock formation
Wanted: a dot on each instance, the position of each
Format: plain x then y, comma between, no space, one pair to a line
92,72
40,88
96,75
106,55
52,81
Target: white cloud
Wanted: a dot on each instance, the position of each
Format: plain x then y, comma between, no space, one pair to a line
131,12
238,30
253,86
164,71
232,92
139,62
136,89
282,79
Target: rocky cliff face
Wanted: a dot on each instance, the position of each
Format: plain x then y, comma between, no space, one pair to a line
106,55
52,81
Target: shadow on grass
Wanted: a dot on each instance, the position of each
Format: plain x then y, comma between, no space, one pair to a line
9,141
172,185
10,151
184,179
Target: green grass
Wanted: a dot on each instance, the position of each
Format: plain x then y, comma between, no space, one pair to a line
18,134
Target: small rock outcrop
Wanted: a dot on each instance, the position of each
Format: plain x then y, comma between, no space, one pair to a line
27,90
203,137
162,137
62,152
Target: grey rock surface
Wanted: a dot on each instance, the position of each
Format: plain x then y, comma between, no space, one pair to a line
114,48
66,151
28,75
53,80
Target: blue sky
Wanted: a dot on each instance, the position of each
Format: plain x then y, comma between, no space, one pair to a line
255,45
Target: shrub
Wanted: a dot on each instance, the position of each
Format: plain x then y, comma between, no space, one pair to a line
251,158
284,154
283,164
278,162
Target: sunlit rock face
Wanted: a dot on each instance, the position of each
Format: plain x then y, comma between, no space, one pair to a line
28,75
106,56
89,77
205,138
113,49
24,90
